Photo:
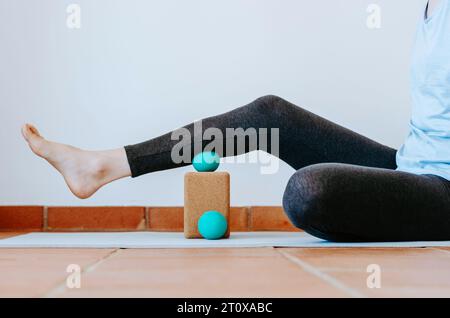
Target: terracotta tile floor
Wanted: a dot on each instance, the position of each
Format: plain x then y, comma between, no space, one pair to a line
254,272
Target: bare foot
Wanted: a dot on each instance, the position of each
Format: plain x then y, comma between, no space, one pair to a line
84,171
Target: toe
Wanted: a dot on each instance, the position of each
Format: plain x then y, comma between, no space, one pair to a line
34,130
34,139
29,131
24,132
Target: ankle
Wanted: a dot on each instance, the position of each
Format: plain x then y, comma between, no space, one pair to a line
113,164
100,167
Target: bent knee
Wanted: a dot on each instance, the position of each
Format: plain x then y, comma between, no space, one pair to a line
270,104
268,99
307,199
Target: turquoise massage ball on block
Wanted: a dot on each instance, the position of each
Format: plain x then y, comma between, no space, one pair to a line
212,225
207,161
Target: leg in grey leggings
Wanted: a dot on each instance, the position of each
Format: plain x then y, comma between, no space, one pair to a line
345,187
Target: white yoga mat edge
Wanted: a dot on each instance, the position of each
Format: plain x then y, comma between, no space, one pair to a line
176,240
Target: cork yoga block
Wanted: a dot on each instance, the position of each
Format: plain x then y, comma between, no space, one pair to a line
205,191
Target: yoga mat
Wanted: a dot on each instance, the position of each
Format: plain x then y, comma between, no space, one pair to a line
177,240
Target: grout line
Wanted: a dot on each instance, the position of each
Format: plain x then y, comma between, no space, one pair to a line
92,267
447,252
247,216
147,217
249,212
45,218
61,287
323,276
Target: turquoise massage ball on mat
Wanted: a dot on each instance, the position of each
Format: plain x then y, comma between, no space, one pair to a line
212,225
207,161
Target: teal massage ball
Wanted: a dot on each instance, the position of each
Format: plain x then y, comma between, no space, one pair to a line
212,225
207,161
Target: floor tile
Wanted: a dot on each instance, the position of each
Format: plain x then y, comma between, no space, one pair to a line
260,272
35,272
246,272
404,272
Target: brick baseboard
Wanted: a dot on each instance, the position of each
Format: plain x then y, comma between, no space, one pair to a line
130,218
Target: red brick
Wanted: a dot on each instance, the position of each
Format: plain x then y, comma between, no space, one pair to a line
270,218
169,219
239,219
13,218
5,235
95,218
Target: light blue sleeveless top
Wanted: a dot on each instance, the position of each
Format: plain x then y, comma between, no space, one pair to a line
427,147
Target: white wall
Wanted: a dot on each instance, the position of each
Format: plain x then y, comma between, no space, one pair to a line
138,68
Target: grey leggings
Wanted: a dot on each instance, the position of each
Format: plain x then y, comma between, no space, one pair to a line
345,187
